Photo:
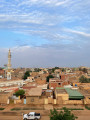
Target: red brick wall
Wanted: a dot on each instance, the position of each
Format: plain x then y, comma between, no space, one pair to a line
55,84
64,77
1,72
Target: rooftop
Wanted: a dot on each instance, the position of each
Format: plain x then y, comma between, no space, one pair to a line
61,91
35,92
74,94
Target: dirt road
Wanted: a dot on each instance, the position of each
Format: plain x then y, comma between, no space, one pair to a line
82,115
43,118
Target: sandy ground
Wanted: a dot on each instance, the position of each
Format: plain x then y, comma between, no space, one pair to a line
82,115
7,114
43,118
19,118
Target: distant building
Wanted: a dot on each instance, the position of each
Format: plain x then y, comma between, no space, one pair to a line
55,82
2,72
88,71
59,81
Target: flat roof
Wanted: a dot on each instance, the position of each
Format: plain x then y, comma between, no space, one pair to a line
61,91
35,92
74,94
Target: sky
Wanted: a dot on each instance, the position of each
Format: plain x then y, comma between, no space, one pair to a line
45,33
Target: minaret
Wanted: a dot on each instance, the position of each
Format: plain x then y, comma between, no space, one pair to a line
9,66
9,60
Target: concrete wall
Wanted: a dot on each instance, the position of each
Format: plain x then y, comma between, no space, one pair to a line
48,100
64,96
34,100
86,100
41,82
59,100
78,102
17,101
3,99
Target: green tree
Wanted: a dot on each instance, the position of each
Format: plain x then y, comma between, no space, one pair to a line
53,69
84,70
65,114
27,74
48,77
63,69
37,69
83,79
19,93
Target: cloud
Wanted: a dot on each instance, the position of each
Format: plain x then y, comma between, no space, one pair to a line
33,17
44,2
59,27
79,32
26,56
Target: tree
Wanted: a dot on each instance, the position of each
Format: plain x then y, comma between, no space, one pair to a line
27,74
55,68
63,69
37,69
83,79
65,114
84,70
48,77
20,93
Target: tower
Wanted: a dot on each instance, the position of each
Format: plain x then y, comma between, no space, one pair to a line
9,60
9,66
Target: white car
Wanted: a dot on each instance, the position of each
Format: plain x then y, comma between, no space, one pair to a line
31,116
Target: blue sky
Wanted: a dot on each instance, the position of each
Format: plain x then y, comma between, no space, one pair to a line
45,33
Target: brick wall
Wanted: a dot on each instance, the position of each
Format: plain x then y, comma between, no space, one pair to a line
57,84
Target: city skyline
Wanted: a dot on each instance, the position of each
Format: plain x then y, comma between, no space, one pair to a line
45,33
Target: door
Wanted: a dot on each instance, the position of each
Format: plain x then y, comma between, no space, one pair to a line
24,101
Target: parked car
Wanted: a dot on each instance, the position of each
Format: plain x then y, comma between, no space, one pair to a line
31,116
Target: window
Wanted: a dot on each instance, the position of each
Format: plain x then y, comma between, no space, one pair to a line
32,100
59,83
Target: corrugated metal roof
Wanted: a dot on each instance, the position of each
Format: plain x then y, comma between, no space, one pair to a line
60,88
74,94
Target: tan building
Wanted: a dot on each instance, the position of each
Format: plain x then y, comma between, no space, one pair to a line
85,90
68,96
5,97
61,96
33,96
88,72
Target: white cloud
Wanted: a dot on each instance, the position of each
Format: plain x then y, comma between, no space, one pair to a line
44,2
45,57
33,17
79,32
65,24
